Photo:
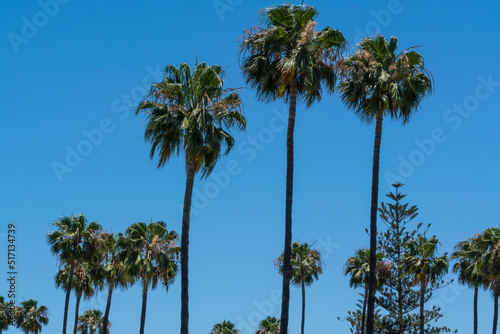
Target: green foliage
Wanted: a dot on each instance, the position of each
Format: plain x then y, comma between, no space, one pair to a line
378,81
150,253
225,327
91,322
192,113
306,264
30,318
287,49
269,325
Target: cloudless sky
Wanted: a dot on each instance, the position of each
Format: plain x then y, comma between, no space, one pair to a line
82,69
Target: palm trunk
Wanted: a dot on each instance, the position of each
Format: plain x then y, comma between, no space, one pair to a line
68,293
476,292
303,308
77,311
495,311
422,301
363,315
191,171
108,307
372,284
287,268
144,303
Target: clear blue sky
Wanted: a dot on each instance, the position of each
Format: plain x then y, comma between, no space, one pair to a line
85,66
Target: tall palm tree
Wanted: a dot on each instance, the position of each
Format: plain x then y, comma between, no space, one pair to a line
31,318
377,82
191,113
422,261
269,325
286,59
150,254
358,267
72,242
225,327
489,241
92,322
110,269
83,285
468,255
306,266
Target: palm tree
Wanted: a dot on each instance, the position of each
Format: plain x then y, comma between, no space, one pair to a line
31,318
287,59
111,270
468,255
358,267
306,266
489,241
92,322
422,261
191,114
225,327
72,242
376,82
269,325
150,254
5,315
83,285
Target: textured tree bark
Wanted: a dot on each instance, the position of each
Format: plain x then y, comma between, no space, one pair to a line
68,293
495,312
372,285
191,171
363,316
287,270
108,307
77,311
145,285
303,308
422,301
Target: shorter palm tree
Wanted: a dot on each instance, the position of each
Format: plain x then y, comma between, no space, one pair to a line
306,266
5,315
31,318
150,254
358,267
269,325
468,255
225,327
490,266
91,322
422,261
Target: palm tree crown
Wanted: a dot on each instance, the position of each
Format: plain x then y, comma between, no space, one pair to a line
377,80
192,113
288,49
31,318
225,327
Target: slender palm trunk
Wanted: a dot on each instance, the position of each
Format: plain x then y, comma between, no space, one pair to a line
191,171
303,308
422,301
77,311
108,307
372,284
68,293
476,292
145,285
495,312
363,315
287,267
